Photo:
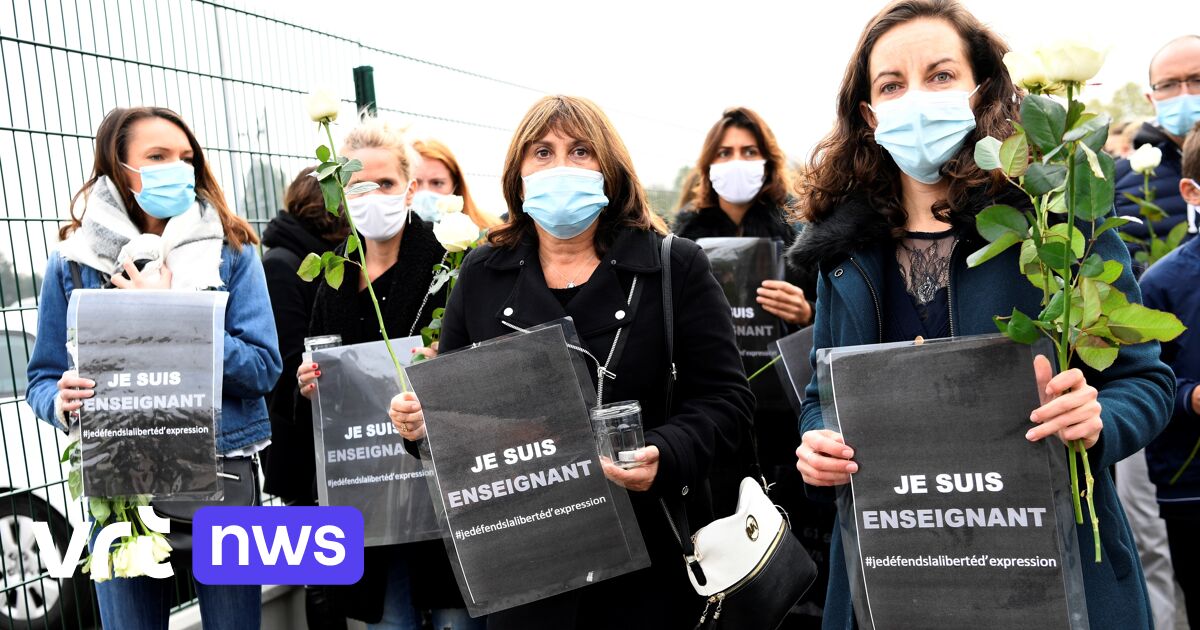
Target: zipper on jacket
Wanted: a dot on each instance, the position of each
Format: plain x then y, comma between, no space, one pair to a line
874,298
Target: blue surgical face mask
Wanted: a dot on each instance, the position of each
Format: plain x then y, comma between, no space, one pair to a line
923,130
1177,115
424,203
565,201
168,190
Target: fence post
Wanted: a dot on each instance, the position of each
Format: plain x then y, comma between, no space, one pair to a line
364,89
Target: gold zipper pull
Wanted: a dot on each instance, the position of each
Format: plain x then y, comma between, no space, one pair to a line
720,602
704,615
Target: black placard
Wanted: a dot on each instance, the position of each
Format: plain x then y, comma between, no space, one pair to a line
953,517
528,512
361,459
740,265
157,358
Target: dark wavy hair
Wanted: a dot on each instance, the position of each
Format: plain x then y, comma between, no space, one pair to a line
583,120
303,200
775,188
112,148
848,162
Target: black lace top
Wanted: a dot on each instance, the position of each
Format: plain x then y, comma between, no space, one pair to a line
916,291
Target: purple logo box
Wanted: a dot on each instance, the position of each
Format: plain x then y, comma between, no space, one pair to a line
277,545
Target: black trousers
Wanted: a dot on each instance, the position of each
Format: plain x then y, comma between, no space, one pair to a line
1185,558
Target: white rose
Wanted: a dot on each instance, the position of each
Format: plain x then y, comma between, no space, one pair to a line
457,232
322,106
1070,61
1026,70
122,560
449,204
162,549
1145,159
99,569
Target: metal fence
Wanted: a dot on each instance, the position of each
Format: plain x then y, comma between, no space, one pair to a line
239,79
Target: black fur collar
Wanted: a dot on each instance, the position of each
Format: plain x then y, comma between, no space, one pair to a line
855,225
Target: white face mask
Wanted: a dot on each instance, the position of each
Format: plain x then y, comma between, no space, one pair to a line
737,181
378,217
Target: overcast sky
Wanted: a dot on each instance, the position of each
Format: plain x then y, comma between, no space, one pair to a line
665,70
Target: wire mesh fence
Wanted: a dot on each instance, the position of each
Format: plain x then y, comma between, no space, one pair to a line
239,79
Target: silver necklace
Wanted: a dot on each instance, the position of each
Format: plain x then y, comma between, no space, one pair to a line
569,280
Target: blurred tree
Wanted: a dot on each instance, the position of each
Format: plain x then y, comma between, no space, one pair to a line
16,285
1128,103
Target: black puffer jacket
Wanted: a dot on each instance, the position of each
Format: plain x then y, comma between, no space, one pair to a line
1165,183
289,459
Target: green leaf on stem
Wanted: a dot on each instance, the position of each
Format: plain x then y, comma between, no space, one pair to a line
75,483
996,221
1092,160
361,188
1148,209
1092,196
1090,293
1112,271
1176,235
335,271
331,190
1111,298
1043,178
99,509
1014,155
1092,266
326,170
987,153
1134,323
1063,232
1086,125
1029,259
1055,254
1096,352
1044,120
352,166
352,244
323,153
439,313
1114,222
66,454
1006,240
1054,309
1075,113
1019,328
310,267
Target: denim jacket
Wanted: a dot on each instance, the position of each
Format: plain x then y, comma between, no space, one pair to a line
252,361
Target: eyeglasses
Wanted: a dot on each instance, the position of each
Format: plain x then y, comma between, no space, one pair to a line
1172,87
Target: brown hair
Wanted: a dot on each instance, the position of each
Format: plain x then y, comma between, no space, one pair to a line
849,162
775,187
581,119
687,192
434,150
1191,155
112,145
303,200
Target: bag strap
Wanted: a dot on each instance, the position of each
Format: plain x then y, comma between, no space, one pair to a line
676,512
76,274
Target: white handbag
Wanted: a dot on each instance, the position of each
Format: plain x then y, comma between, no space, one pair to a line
731,549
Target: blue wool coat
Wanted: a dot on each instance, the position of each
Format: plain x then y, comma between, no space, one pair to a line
1136,393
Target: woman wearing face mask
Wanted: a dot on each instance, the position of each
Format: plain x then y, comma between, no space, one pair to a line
891,200
401,252
151,197
742,189
580,233
439,175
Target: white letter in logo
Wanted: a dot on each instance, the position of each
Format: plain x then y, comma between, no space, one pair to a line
324,533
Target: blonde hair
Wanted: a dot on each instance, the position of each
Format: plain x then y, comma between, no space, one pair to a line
374,133
434,150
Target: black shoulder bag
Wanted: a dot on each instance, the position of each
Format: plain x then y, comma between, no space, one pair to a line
240,475
748,566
